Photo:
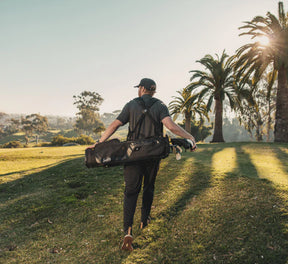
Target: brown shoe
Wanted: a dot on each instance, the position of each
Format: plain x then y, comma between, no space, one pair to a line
127,241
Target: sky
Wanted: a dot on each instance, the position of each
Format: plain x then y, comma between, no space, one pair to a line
51,50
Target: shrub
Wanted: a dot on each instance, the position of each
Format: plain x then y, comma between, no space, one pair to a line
60,140
43,144
84,140
12,144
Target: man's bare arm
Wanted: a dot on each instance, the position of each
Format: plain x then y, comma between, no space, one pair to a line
110,130
176,129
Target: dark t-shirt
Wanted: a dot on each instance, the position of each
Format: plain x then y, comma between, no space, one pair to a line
132,112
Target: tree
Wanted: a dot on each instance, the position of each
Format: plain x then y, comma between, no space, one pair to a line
215,84
251,116
256,111
99,129
88,118
13,126
188,105
108,118
200,131
34,123
2,115
254,58
2,124
88,101
2,132
270,108
87,121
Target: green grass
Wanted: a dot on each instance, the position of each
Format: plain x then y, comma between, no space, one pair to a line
225,203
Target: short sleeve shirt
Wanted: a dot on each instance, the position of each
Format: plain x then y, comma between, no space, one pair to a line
132,112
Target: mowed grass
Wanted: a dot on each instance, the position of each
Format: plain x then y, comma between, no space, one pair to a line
225,203
15,163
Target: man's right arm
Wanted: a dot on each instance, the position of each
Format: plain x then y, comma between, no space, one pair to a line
176,129
109,131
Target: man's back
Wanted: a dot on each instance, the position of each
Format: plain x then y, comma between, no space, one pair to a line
133,111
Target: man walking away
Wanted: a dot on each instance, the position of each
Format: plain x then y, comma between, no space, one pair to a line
142,172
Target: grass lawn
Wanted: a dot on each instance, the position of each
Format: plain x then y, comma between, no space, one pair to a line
225,203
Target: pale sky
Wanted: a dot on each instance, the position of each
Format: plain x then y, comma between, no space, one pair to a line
51,50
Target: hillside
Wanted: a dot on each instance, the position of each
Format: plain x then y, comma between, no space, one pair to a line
225,203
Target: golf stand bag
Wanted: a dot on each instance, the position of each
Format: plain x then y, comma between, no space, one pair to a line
115,152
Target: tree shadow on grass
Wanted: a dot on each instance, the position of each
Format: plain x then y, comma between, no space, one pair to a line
61,209
283,158
240,219
245,166
30,171
197,182
247,225
68,213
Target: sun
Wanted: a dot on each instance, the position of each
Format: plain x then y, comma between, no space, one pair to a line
263,40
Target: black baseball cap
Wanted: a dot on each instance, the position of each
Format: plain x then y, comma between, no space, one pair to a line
148,84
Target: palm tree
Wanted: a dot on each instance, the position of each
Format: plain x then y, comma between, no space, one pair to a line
215,85
188,105
254,58
270,79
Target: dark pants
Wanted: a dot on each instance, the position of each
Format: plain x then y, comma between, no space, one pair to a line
133,176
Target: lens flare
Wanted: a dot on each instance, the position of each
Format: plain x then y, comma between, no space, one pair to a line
263,40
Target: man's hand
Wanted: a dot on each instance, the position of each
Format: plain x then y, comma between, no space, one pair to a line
193,145
93,146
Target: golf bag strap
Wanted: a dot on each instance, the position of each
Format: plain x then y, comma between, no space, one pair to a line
158,128
145,111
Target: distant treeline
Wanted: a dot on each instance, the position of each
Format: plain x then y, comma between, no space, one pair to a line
232,130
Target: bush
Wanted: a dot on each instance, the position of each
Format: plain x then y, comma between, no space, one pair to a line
43,144
85,140
60,140
12,144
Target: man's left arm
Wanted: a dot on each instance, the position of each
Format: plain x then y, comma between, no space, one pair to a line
179,131
109,131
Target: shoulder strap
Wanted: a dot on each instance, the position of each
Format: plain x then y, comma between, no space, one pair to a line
158,127
145,111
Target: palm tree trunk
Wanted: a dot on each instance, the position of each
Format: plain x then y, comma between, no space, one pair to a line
259,137
259,128
218,133
188,122
269,120
281,120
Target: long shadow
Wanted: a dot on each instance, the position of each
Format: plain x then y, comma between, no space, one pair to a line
282,157
23,185
247,223
65,187
32,170
70,175
198,182
245,165
68,188
254,215
69,157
